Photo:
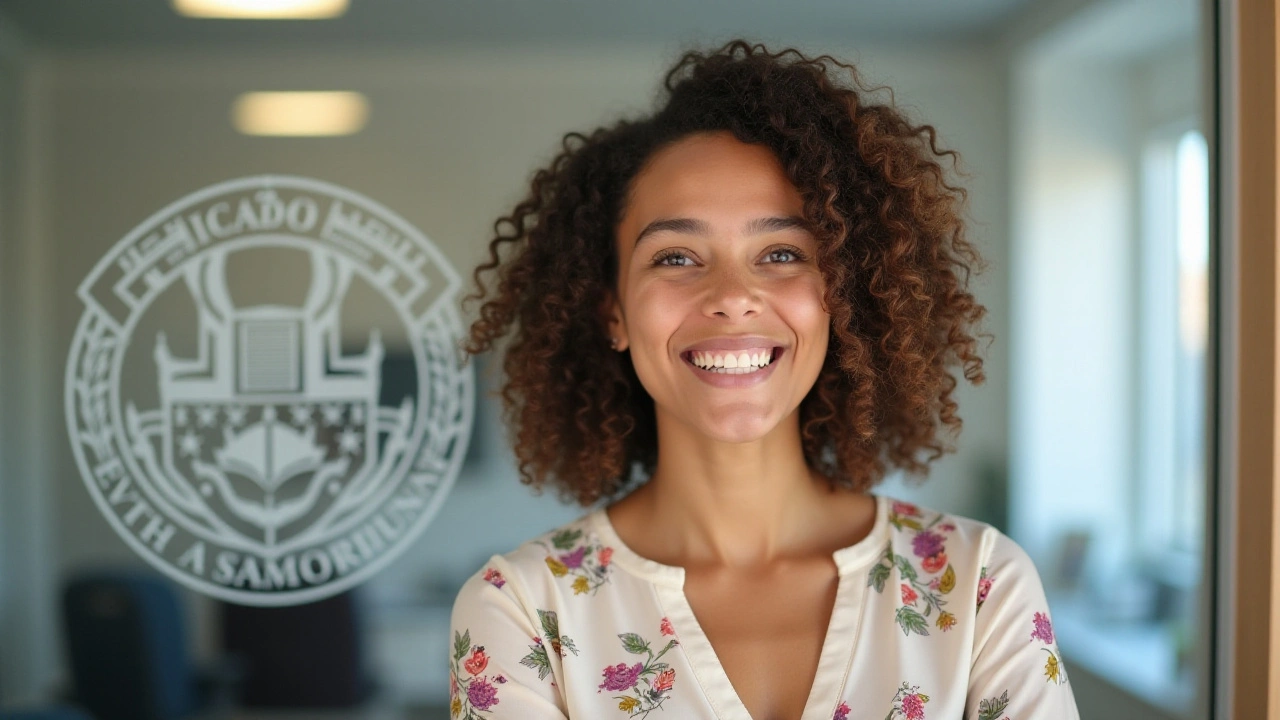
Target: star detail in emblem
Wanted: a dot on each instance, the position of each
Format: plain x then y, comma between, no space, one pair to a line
300,414
332,414
180,416
206,415
236,415
189,444
349,441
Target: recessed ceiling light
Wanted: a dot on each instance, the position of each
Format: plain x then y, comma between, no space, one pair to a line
262,9
307,114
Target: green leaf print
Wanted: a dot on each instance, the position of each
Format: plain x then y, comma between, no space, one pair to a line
461,644
550,623
992,709
904,568
538,660
879,575
565,539
634,644
911,622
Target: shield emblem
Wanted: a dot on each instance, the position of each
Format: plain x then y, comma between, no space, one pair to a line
271,429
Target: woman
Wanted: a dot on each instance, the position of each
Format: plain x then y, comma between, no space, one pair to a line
730,319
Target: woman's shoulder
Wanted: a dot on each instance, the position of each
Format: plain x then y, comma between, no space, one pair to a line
536,564
935,538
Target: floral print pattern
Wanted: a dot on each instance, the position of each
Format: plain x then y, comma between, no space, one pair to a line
993,709
1042,630
984,587
645,684
470,692
921,565
571,555
920,598
538,659
908,703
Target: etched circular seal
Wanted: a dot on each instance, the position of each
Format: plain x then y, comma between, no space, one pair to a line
264,394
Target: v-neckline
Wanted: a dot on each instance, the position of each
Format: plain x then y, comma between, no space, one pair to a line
837,644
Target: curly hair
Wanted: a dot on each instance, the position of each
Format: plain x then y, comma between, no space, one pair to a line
892,252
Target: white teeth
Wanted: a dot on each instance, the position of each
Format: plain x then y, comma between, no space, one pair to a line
732,364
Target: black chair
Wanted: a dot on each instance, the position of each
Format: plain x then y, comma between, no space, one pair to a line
300,656
127,641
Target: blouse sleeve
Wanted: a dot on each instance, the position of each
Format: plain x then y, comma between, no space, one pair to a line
1016,670
500,667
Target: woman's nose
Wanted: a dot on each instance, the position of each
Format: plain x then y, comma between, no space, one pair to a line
732,294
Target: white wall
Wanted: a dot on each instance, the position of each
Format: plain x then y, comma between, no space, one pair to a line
451,143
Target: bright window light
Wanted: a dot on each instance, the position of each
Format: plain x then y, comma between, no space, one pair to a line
262,9
300,113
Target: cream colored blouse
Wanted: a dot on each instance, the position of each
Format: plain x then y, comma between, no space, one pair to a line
936,617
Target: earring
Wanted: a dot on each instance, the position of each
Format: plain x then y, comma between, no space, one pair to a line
613,343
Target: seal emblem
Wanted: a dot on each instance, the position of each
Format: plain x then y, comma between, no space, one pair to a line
228,396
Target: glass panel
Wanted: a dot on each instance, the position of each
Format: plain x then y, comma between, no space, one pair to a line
1082,129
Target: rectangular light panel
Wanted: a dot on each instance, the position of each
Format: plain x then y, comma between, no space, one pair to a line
261,9
300,114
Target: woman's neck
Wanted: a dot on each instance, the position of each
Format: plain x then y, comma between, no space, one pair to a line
738,505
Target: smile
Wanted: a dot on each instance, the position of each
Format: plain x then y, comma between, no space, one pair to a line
734,369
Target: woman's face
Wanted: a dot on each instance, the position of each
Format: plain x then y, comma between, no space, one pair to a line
719,297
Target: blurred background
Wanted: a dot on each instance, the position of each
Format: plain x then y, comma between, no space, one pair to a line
1086,130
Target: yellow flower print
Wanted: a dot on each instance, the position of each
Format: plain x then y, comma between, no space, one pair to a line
628,704
558,568
455,708
948,581
580,585
946,621
1051,669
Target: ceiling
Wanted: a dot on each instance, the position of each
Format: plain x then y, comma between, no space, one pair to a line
148,23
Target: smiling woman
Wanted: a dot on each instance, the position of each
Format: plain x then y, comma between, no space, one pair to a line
730,320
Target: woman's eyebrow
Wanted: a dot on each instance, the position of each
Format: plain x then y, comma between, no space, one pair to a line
691,226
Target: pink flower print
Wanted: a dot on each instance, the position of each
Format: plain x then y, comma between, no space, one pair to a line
913,706
905,508
1043,630
664,681
604,556
573,560
477,662
984,587
620,677
909,595
947,527
493,576
666,627
500,679
934,563
842,712
935,583
481,694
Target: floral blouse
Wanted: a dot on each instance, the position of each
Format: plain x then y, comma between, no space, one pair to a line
936,618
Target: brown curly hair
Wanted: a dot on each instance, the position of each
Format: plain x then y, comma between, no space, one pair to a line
891,247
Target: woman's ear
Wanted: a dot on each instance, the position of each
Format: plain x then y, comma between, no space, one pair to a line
615,323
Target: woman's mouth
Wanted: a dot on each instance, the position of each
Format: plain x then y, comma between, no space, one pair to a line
743,362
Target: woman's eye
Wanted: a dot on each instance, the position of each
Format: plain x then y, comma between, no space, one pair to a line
671,254
796,255
677,258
